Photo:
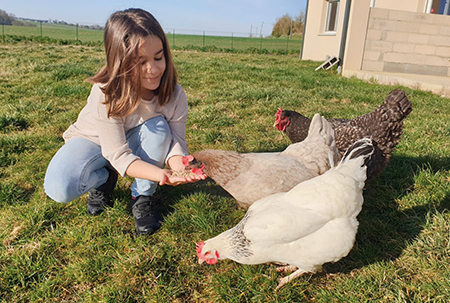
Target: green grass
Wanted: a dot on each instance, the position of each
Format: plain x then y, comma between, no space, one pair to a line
55,31
236,43
177,40
52,252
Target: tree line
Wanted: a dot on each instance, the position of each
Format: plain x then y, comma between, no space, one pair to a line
288,25
284,26
6,18
10,19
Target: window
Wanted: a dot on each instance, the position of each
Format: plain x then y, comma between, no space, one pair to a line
332,15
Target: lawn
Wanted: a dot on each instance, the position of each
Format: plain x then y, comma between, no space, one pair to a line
53,252
55,31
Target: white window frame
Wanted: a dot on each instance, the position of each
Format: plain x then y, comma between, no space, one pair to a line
332,16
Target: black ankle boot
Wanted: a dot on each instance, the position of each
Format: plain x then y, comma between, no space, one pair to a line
100,197
148,219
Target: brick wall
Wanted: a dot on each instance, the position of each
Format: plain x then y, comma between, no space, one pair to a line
406,42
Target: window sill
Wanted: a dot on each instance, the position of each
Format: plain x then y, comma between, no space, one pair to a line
328,34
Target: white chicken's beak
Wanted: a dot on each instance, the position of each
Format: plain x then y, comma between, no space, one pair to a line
200,261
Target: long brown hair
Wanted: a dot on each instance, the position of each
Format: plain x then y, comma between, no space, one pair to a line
122,89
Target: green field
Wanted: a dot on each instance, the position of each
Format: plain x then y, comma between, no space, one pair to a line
54,31
51,252
177,39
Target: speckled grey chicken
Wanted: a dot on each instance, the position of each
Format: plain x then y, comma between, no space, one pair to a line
384,125
252,176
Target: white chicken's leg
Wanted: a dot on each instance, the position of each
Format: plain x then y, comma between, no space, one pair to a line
296,274
292,276
286,268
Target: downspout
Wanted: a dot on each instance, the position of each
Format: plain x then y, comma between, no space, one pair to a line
344,35
304,30
428,6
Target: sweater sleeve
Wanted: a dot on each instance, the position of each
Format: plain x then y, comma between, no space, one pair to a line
111,134
177,124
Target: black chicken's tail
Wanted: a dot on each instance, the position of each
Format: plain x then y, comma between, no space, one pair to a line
397,104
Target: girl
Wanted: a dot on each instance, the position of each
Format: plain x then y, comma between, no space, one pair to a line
134,124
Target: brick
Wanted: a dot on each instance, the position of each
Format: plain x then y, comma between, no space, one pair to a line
397,15
443,51
396,37
425,49
372,55
403,48
392,67
370,24
437,71
409,68
373,34
376,66
443,20
439,41
429,29
426,70
382,46
430,60
444,31
398,57
408,27
423,18
383,25
418,38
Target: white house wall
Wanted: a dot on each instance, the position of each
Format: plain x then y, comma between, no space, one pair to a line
407,42
317,44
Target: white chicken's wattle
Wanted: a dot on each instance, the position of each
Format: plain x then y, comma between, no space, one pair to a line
312,224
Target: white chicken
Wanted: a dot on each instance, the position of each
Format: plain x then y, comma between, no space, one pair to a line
252,176
312,224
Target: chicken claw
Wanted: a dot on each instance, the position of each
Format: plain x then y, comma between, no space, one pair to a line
291,277
286,269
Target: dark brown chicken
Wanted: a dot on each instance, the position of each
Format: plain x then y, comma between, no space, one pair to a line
384,126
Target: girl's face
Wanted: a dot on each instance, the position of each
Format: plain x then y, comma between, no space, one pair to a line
152,63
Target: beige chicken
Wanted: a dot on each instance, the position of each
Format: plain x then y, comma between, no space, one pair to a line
251,176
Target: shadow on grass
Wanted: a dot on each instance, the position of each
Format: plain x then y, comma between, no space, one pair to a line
170,195
386,228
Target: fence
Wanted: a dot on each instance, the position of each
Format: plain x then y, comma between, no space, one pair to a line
177,38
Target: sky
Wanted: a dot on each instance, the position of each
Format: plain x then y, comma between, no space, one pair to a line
213,16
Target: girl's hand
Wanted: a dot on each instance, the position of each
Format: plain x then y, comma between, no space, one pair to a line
167,178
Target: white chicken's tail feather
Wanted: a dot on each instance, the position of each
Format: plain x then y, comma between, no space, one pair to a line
331,156
321,128
361,148
355,158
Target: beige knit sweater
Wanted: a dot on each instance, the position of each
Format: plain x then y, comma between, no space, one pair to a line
94,124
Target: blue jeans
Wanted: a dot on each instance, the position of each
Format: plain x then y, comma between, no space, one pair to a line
79,166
